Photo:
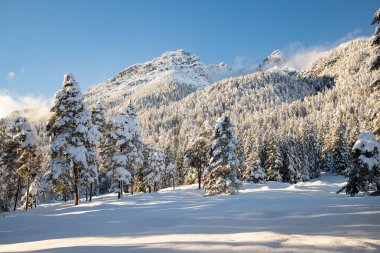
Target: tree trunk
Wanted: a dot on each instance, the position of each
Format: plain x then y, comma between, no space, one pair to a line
91,192
65,197
150,188
132,187
17,192
121,188
76,188
119,194
86,193
199,177
35,201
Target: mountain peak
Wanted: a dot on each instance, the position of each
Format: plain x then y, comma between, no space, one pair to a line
178,57
275,60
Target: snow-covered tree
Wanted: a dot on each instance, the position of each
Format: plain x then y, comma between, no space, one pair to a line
148,177
28,159
70,132
274,162
91,175
339,150
10,183
122,148
365,171
196,156
375,64
221,175
254,172
167,175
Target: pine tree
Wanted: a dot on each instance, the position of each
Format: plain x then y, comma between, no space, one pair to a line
28,160
375,64
274,163
254,172
365,172
221,176
99,123
167,176
122,149
292,171
197,153
154,164
339,150
69,129
9,183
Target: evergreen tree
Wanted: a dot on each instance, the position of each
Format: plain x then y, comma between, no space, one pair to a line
69,129
167,176
339,150
254,172
221,176
375,64
365,172
197,152
274,163
10,183
28,160
122,149
154,164
99,122
292,171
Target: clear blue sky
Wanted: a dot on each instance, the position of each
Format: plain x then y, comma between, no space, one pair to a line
42,40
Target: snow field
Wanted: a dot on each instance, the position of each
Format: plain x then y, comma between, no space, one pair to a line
271,217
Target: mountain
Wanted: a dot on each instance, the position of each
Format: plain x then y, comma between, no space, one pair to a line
275,60
277,98
165,79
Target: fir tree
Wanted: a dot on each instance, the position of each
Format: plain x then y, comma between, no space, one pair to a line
122,149
197,152
365,172
221,176
339,150
28,160
10,183
69,129
99,123
375,64
274,162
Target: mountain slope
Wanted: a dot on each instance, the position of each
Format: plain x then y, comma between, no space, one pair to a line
163,80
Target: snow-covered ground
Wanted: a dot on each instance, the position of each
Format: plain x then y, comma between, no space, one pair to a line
274,217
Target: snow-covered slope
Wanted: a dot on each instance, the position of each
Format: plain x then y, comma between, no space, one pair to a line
272,217
165,79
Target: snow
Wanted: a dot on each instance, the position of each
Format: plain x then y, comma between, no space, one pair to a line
271,217
366,142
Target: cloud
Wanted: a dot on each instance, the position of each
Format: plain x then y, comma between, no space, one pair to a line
350,36
11,75
15,102
300,57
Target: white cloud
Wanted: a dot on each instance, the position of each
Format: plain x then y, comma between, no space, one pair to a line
11,75
300,57
14,102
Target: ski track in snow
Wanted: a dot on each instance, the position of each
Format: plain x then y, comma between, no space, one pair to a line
272,217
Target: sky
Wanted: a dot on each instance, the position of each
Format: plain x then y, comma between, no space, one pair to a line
42,40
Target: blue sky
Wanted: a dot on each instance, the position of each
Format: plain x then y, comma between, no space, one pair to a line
42,40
